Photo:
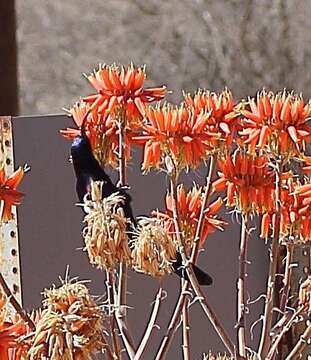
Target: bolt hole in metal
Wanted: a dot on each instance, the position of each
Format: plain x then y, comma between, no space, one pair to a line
7,143
12,234
15,288
15,270
8,161
13,252
5,125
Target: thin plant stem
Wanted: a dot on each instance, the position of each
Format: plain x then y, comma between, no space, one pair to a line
242,288
184,293
286,288
211,315
208,189
122,182
300,345
285,329
185,326
122,289
121,155
265,339
181,243
108,350
122,285
20,311
195,253
150,325
194,283
169,335
125,335
124,332
287,276
113,325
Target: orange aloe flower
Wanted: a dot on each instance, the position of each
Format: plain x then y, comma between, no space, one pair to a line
248,181
9,196
277,121
188,208
122,89
10,332
101,130
178,132
121,97
10,347
223,117
295,222
79,113
307,165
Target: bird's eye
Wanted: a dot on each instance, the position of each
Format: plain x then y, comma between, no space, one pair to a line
70,159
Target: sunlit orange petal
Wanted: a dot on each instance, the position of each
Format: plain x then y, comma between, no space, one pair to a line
14,180
286,110
215,206
230,194
264,133
265,224
219,184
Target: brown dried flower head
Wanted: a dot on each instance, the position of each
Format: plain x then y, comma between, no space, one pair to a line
71,325
305,294
154,249
105,236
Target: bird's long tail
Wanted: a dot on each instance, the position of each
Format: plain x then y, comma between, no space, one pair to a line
203,278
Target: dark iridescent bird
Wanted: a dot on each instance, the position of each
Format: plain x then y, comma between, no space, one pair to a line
87,168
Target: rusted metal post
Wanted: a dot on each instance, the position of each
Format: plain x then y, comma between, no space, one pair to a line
9,247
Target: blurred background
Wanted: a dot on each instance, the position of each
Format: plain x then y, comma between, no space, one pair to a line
45,46
186,44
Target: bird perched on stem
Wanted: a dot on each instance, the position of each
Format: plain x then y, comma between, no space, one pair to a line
88,169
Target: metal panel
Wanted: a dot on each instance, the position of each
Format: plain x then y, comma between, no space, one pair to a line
9,249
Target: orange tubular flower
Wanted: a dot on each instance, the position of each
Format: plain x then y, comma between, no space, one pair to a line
78,112
123,88
189,207
10,348
248,181
300,216
220,107
295,213
277,121
10,332
178,132
101,130
8,193
307,165
121,97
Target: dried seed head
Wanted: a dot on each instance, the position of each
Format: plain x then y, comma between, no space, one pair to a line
305,294
71,325
105,236
154,249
